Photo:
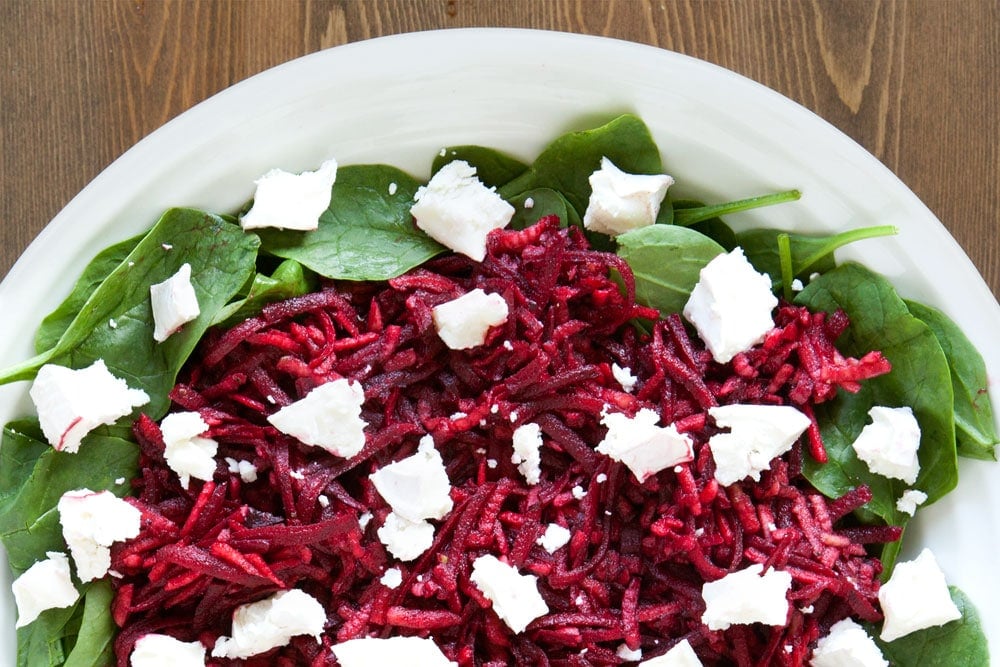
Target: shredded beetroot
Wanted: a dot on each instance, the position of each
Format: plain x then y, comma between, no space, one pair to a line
632,572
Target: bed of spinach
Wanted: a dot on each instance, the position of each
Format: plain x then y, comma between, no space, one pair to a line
367,234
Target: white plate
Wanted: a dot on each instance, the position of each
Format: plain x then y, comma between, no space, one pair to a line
400,99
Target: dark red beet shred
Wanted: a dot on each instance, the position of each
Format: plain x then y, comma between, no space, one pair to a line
639,553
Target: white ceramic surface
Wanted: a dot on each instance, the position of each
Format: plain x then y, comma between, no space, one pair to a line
400,99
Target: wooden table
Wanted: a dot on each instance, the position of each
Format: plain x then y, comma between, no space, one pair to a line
917,83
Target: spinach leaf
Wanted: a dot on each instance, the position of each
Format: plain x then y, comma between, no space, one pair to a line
960,642
566,164
666,261
809,252
545,201
493,167
365,234
289,279
692,214
713,228
221,256
99,268
33,476
975,430
919,379
94,645
41,643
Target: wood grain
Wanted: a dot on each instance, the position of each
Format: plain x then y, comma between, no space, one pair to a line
915,82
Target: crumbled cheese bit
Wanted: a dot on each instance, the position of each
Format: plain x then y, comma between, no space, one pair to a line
443,152
458,211
889,444
166,246
291,201
271,622
578,492
393,188
847,645
174,303
245,469
680,655
730,306
405,539
45,585
112,323
328,417
323,500
554,538
392,578
642,445
91,523
529,203
364,519
915,597
463,323
188,453
296,474
527,440
515,596
758,433
624,377
910,500
155,650
797,285
119,481
369,651
601,478
71,403
746,596
491,464
417,487
620,201
507,345
627,654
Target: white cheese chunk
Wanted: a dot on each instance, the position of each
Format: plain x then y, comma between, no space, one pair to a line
405,539
915,597
155,650
620,201
391,578
71,403
627,654
515,596
889,444
186,452
328,417
757,434
624,377
291,201
45,585
680,655
463,323
730,306
91,523
642,445
527,442
174,303
271,622
416,487
458,211
245,469
746,596
847,645
373,651
554,538
910,500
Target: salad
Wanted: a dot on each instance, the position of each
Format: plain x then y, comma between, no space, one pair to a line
520,456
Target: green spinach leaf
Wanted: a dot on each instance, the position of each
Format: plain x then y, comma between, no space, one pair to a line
566,164
289,279
99,268
493,167
666,261
544,201
222,258
33,476
975,429
365,234
960,642
94,643
919,379
689,215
